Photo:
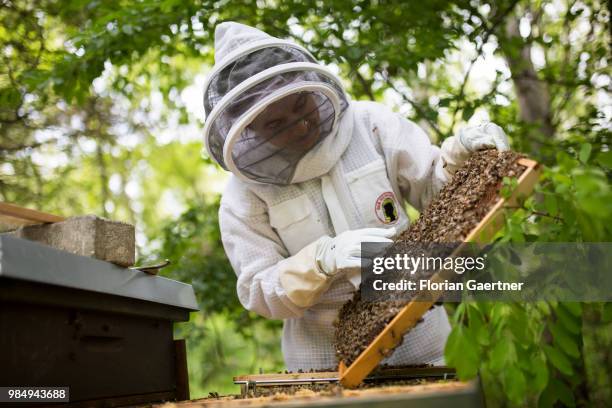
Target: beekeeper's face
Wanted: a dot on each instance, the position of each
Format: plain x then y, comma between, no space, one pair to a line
291,123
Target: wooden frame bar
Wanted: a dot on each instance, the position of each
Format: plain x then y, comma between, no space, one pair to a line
307,377
252,382
330,376
16,216
408,317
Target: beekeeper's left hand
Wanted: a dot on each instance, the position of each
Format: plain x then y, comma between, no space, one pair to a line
484,136
458,148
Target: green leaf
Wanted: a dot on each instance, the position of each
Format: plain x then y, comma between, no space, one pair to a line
462,353
605,159
548,397
574,308
569,321
539,368
558,360
518,326
467,113
556,391
566,396
498,315
502,354
564,340
444,102
9,97
550,203
354,53
606,315
585,152
515,384
477,325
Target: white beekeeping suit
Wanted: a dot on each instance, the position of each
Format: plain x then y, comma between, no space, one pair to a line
294,204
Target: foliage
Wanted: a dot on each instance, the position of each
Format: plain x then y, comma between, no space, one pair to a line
535,353
193,240
217,351
95,116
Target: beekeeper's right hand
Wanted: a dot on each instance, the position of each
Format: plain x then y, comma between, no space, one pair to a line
304,279
344,251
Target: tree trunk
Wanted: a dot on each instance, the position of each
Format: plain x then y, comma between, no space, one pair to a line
532,94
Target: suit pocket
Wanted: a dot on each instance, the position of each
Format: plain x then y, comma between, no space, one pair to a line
297,223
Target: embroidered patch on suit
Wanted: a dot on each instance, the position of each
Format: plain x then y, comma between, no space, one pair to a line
386,208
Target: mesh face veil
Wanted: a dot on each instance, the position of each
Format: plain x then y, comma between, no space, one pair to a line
268,104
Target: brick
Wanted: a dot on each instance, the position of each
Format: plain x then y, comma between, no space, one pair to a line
87,235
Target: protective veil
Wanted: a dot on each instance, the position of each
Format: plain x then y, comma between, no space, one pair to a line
283,201
268,106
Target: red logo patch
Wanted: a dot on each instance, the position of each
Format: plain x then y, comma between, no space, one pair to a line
386,208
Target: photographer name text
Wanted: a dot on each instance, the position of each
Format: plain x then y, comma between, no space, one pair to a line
446,286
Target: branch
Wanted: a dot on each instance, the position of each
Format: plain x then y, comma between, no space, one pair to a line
499,18
366,87
18,147
534,212
416,106
542,214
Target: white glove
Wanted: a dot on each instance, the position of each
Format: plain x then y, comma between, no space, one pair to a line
307,274
483,136
457,149
344,251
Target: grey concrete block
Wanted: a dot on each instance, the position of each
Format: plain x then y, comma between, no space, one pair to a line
87,235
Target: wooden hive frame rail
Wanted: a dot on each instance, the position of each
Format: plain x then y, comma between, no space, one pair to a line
391,336
257,381
15,216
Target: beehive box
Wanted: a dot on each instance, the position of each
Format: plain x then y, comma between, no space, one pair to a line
102,330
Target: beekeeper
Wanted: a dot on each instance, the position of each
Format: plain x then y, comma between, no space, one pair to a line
314,174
